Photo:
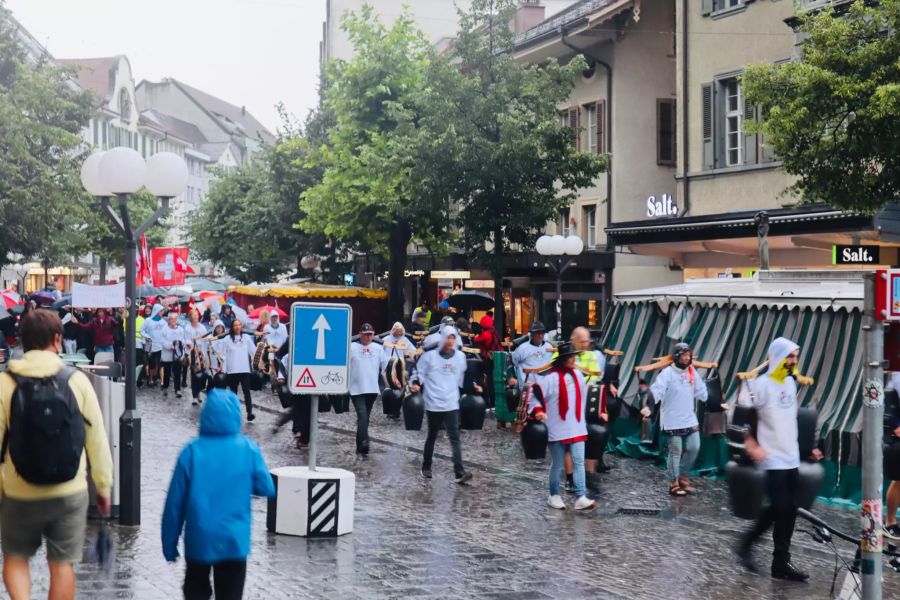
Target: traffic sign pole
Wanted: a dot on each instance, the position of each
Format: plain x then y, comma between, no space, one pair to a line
313,431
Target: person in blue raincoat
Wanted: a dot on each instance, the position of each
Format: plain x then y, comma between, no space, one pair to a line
210,497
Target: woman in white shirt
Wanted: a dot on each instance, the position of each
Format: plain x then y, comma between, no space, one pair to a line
194,333
238,349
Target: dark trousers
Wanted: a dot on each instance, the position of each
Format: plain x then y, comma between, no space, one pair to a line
228,580
242,379
299,417
172,371
450,421
488,367
198,383
781,487
363,404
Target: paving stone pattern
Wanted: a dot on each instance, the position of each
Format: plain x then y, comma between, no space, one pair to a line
493,539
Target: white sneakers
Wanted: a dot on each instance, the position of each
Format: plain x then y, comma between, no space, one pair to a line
556,502
584,503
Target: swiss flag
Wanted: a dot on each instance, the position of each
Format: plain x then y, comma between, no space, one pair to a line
142,263
166,266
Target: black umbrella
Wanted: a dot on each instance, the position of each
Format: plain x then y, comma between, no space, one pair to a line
471,300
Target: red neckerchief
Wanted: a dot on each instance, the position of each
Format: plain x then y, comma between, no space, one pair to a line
564,393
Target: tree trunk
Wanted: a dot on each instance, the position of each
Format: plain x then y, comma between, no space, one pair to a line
398,244
102,271
499,308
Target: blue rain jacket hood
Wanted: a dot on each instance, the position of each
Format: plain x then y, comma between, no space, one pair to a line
211,488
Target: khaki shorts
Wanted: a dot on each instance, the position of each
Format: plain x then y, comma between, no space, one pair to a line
61,521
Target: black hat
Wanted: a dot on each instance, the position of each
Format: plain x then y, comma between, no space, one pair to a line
537,327
367,328
680,348
565,350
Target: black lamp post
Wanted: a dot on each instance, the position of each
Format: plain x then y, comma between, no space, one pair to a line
118,173
555,247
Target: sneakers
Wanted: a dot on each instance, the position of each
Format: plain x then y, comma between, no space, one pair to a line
463,477
789,572
194,402
892,532
178,394
556,502
251,417
585,503
426,472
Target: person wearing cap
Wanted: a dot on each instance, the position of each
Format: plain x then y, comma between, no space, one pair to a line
676,388
562,405
532,354
439,375
431,342
367,362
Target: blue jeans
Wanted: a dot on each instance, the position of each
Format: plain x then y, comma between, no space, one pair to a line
683,452
557,458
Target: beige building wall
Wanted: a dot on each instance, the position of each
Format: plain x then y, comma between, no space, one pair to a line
719,44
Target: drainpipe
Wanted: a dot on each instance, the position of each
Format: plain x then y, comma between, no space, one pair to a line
685,138
610,247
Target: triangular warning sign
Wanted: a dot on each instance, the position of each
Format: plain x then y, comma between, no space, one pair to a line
306,380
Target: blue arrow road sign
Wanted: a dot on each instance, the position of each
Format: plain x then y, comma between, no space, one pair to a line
320,347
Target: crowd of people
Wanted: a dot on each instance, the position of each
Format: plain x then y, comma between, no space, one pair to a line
219,351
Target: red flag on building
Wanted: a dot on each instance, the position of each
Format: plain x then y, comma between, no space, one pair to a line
142,263
166,270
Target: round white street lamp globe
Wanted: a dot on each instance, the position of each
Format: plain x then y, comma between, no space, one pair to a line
574,245
122,171
542,245
167,175
309,262
557,245
90,175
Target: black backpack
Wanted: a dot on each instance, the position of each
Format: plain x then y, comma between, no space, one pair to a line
45,435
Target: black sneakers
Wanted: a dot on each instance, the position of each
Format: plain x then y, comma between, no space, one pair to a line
426,472
789,572
251,417
463,477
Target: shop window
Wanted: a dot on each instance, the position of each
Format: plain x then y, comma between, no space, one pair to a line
665,131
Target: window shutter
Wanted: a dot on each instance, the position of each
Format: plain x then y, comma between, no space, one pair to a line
574,124
601,126
706,121
751,142
766,152
706,7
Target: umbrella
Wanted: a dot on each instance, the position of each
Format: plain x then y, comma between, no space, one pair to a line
147,291
10,298
65,301
43,297
202,284
208,294
254,314
471,300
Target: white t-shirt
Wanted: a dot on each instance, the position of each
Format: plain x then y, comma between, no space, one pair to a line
275,337
529,356
192,332
366,365
677,389
238,353
776,407
558,428
169,337
441,379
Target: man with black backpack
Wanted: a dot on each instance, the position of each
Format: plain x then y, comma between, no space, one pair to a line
50,423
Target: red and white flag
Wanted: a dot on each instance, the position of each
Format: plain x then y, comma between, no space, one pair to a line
169,266
181,264
142,263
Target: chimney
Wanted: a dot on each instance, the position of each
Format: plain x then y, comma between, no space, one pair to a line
529,14
243,111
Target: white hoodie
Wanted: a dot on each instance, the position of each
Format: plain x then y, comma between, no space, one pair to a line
441,378
776,406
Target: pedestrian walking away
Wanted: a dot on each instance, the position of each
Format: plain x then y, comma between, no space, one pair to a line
676,388
238,350
210,497
562,404
439,375
172,339
44,471
774,445
367,363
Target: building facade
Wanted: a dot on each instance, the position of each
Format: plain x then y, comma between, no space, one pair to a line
726,177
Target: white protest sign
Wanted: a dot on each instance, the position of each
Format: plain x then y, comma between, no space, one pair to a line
98,296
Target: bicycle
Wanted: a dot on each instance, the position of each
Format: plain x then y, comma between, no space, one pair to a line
332,377
823,534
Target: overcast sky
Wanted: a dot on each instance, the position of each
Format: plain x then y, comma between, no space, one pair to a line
248,52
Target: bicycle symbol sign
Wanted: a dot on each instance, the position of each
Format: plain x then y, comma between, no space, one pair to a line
320,347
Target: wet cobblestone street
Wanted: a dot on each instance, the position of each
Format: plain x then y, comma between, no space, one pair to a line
494,538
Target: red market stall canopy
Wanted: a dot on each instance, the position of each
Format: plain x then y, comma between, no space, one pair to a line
369,305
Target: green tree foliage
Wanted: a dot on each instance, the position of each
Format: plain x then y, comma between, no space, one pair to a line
234,227
43,208
832,118
512,159
106,241
374,194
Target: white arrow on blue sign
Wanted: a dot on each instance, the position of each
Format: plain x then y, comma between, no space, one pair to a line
320,347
